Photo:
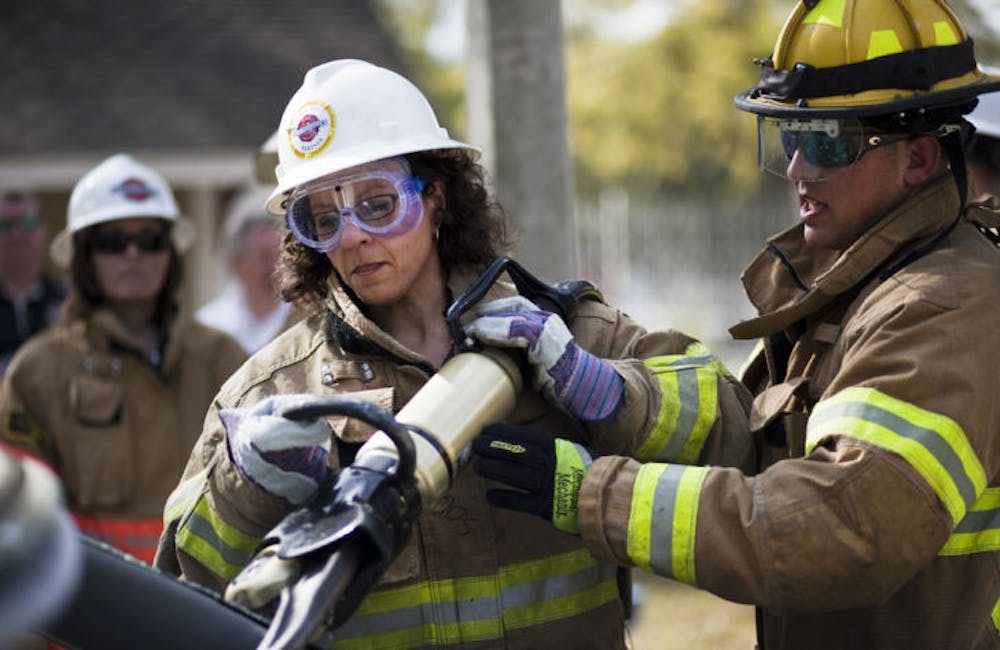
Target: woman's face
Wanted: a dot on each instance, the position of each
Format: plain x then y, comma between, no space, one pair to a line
131,257
375,224
384,269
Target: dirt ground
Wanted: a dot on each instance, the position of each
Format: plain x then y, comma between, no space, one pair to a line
673,616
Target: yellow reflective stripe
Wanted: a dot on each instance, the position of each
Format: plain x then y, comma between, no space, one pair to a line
421,637
996,616
183,497
933,444
827,12
690,397
882,42
463,610
218,546
641,514
944,34
979,530
588,584
664,518
398,617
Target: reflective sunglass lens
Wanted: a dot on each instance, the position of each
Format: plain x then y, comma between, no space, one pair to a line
117,241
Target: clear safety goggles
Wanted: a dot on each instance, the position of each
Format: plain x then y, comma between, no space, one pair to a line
826,145
381,198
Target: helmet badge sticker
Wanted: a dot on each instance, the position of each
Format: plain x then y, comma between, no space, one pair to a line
311,129
134,189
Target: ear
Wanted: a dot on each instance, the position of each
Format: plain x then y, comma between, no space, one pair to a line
436,195
923,157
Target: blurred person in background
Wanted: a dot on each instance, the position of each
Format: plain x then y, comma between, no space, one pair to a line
29,298
250,308
113,396
388,221
873,517
983,152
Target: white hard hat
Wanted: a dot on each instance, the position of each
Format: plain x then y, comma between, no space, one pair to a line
119,188
347,113
986,117
247,209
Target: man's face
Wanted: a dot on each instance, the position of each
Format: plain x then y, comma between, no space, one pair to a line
846,202
22,238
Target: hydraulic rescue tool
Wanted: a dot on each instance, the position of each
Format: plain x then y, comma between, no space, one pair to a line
314,568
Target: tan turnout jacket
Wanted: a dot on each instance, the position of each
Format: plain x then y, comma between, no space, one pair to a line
873,522
471,576
85,398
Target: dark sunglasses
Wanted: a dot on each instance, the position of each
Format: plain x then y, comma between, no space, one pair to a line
822,150
117,241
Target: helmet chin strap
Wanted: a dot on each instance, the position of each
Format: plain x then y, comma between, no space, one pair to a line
952,144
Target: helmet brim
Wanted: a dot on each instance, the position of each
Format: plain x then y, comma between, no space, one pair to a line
753,101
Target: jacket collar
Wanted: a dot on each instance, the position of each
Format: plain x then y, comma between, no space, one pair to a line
112,334
789,281
355,332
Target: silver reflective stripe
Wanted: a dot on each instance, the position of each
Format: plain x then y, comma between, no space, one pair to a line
203,529
661,554
976,521
463,610
690,405
433,613
929,438
540,591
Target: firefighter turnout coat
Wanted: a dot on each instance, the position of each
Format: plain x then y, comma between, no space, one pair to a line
85,398
874,520
471,576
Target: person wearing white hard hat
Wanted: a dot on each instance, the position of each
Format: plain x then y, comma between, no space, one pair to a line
249,307
113,396
983,152
388,221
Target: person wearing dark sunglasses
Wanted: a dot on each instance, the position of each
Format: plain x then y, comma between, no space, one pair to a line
112,397
872,518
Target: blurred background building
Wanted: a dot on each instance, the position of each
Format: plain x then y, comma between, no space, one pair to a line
190,87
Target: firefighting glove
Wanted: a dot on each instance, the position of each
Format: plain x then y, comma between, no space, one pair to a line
547,472
286,458
569,376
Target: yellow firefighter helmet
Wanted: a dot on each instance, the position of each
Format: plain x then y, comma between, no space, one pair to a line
864,58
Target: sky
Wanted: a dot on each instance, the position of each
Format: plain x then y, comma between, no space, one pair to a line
641,20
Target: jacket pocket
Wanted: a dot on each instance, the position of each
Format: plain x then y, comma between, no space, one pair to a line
778,421
102,474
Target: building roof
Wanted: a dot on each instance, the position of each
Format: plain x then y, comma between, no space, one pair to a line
89,76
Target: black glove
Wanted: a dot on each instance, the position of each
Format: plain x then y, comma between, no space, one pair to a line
546,470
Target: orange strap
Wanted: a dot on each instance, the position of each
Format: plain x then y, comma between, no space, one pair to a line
138,537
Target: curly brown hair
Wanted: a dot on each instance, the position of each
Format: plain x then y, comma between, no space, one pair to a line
85,293
473,229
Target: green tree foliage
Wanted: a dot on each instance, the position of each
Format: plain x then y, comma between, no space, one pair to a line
410,21
659,115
